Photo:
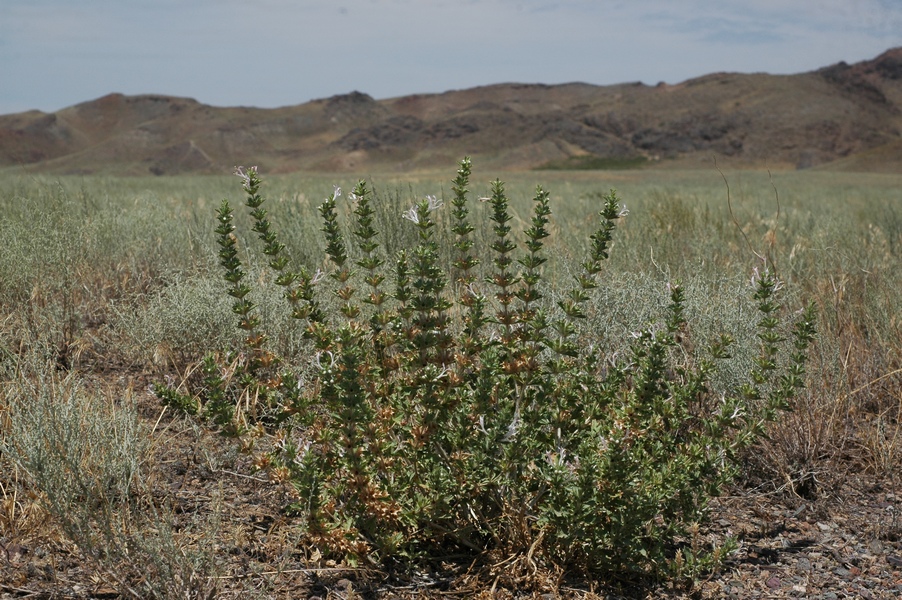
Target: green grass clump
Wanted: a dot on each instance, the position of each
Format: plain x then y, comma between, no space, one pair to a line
452,402
86,456
590,162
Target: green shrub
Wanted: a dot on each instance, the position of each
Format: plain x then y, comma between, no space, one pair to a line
468,410
591,162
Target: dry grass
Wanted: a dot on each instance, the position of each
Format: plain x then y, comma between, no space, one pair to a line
90,308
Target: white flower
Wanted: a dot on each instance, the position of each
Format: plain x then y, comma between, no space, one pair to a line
514,426
603,444
245,175
623,211
411,215
336,191
332,360
482,425
432,203
352,197
317,276
437,374
302,452
757,276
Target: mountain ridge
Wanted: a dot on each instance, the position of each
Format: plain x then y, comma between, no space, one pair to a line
828,116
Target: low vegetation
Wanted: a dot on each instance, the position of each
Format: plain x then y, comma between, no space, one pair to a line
590,162
548,394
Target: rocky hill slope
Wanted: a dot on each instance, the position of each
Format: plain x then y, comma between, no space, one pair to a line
849,116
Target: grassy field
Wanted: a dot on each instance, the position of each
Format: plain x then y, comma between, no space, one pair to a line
107,284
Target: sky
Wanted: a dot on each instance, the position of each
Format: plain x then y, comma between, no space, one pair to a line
268,53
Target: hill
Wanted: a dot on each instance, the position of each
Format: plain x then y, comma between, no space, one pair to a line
849,116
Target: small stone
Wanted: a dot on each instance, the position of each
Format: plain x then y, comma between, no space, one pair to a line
774,583
15,552
842,572
803,564
344,584
894,560
49,573
824,526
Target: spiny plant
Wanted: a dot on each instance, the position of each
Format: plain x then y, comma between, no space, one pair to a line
466,411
